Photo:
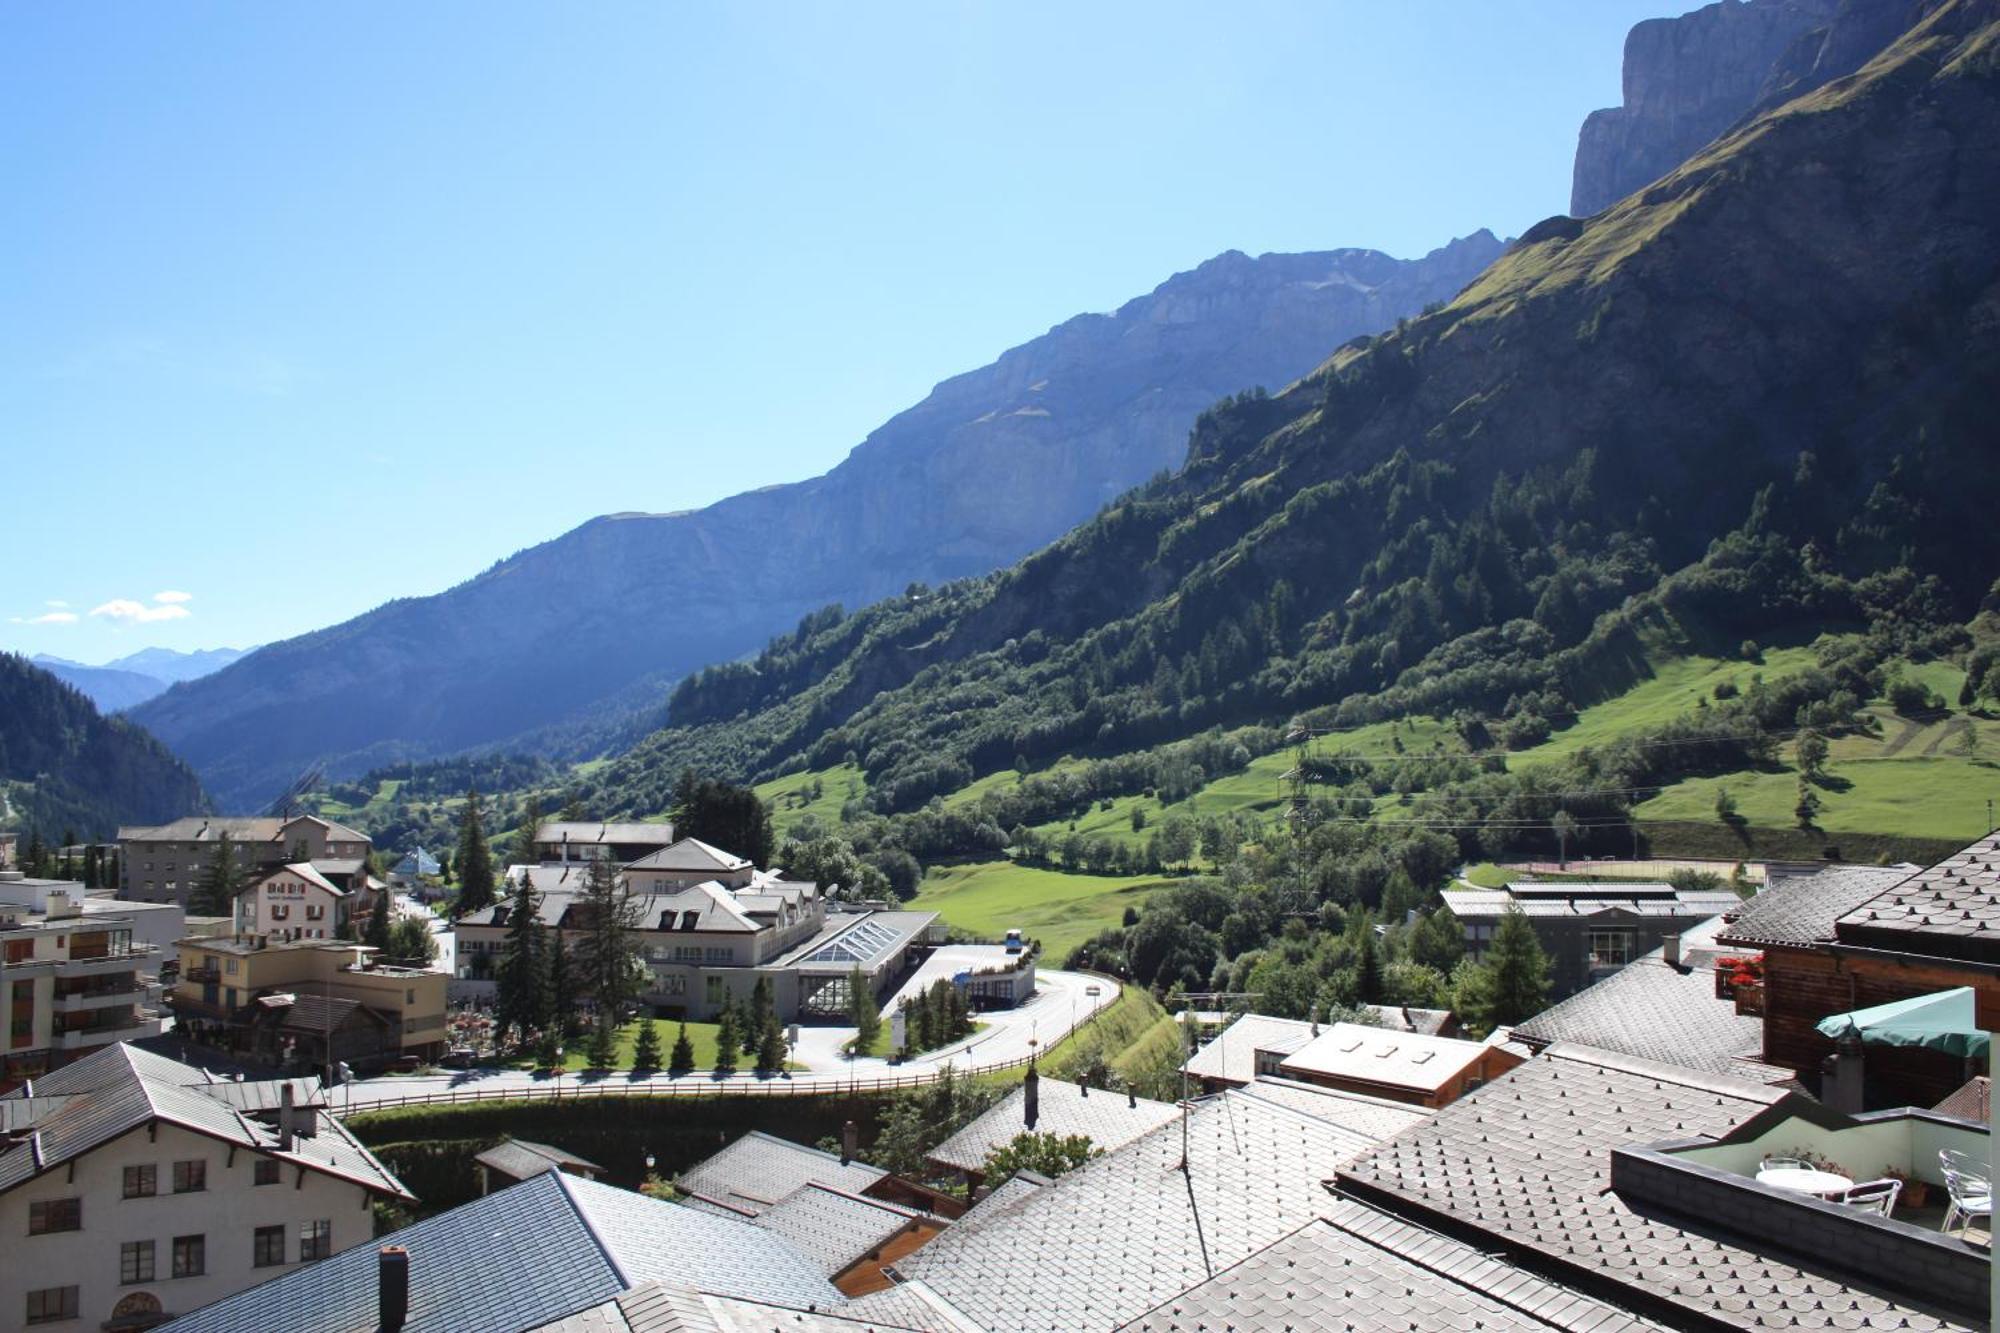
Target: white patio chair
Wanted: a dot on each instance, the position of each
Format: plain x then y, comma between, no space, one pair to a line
1971,1196
1875,1196
1973,1168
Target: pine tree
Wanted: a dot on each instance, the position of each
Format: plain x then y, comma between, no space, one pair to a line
771,1049
521,1002
604,1042
762,1014
524,837
862,1011
727,1037
608,955
220,881
1517,971
1367,962
646,1049
682,1061
549,1053
475,860
562,987
377,933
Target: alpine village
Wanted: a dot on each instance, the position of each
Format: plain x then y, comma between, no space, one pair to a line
1351,793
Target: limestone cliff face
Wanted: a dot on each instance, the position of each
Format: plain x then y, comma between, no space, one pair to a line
990,466
1688,79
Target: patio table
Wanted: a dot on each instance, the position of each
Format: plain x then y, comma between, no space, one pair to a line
1804,1180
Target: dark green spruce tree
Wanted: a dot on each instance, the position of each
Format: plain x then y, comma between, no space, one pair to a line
475,859
521,1001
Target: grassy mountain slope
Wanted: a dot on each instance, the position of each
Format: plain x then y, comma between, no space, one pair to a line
1751,400
555,647
63,766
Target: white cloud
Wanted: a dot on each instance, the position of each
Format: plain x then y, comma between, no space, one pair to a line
58,603
47,618
172,598
127,611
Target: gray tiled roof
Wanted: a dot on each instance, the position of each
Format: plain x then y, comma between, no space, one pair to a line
121,1087
520,1159
1800,911
1658,1012
1106,1118
1361,1270
1231,1055
1951,909
1361,1120
585,833
1015,1188
1402,1018
832,1227
241,828
1525,1161
654,1308
690,856
524,1257
1122,1233
759,1169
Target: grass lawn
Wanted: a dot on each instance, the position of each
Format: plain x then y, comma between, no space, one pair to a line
1908,792
700,1035
1490,876
789,803
1061,910
1675,686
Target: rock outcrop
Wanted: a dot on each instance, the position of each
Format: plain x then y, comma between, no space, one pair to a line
1689,79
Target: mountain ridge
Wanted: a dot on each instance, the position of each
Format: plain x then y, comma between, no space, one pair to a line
1752,394
999,460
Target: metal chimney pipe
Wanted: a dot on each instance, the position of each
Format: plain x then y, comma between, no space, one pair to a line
850,1141
1031,1100
392,1288
285,1117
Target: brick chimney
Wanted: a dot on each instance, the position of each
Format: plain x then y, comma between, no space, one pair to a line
392,1267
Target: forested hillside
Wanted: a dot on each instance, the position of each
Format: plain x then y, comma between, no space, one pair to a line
1749,401
63,766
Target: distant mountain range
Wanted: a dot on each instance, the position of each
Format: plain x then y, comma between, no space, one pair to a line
65,766
574,635
137,677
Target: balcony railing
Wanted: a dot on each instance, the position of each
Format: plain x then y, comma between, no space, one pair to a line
201,974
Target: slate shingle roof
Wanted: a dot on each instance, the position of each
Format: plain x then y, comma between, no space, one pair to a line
1951,909
1358,1119
1360,1270
653,1308
1106,1118
1525,1163
1659,1012
1801,911
521,1159
121,1087
1230,1056
759,1169
832,1227
524,1257
1974,1101
1120,1234
690,856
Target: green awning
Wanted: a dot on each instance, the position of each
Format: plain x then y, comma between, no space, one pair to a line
1944,1022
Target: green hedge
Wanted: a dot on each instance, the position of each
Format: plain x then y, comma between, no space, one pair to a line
431,1147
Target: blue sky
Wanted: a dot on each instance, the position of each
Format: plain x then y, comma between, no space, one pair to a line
304,308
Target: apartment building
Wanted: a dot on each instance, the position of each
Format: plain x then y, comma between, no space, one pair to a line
293,902
163,863
1589,930
71,975
307,1003
134,1188
711,925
